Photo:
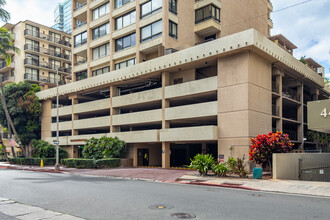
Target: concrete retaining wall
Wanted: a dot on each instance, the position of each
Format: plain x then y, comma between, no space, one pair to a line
286,166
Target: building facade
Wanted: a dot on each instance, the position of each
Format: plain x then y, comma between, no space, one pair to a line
173,79
62,16
43,51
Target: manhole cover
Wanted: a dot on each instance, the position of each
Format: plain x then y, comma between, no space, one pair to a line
161,207
256,195
183,215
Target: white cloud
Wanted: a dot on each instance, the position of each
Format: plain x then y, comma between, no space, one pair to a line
307,26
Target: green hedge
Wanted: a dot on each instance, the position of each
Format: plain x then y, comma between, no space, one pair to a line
32,161
90,163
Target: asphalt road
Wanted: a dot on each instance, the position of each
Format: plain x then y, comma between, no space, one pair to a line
108,198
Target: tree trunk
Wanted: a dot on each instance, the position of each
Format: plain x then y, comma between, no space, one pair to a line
10,136
4,152
3,100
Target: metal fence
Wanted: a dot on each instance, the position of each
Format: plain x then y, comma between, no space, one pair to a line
312,170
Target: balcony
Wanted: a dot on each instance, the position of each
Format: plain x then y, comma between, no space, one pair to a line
43,64
46,51
207,26
80,25
291,94
46,79
8,78
5,68
36,34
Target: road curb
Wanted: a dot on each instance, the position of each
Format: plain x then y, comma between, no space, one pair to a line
30,169
220,185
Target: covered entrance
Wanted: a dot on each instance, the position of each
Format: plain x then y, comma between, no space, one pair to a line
182,153
143,157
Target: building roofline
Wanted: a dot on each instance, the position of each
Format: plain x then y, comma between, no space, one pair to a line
35,23
284,40
246,40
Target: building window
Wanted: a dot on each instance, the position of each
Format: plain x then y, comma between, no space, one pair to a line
32,30
81,75
54,37
55,51
101,31
173,6
100,11
125,42
119,3
101,71
101,51
151,7
126,20
80,39
151,31
206,13
173,30
125,63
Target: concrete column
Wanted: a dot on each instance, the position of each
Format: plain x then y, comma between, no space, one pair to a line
113,111
135,155
74,101
46,119
139,56
316,95
89,39
166,155
300,115
204,148
279,103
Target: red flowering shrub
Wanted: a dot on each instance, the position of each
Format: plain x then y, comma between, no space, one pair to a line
263,147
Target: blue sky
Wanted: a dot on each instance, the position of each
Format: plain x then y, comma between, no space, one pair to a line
306,25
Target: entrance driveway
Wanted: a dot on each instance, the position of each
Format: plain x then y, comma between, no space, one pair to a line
158,174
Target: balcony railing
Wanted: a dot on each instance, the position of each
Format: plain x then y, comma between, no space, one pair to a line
80,25
34,62
80,62
7,78
46,51
37,78
290,93
46,37
80,6
275,110
4,135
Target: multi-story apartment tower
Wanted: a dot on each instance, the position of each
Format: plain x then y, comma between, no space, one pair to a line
43,51
110,35
62,16
176,78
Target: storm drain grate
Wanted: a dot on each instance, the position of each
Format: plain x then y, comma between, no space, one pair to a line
183,215
161,207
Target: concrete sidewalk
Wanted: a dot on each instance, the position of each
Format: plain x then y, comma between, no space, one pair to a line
310,188
191,177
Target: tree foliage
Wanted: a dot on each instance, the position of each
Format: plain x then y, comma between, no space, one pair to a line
104,147
322,140
24,109
43,149
263,147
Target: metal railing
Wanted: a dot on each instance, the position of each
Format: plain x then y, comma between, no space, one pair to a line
44,64
38,78
290,93
80,25
46,51
80,62
80,6
46,37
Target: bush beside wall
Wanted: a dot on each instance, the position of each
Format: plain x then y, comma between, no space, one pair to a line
32,161
90,163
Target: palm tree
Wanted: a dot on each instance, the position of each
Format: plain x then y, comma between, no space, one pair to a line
6,45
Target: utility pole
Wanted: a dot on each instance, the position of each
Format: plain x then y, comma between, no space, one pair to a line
57,165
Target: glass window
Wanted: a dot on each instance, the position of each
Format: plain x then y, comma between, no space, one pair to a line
80,39
151,31
101,31
125,42
101,71
81,75
173,30
101,51
206,13
150,7
100,11
125,63
125,20
173,6
119,3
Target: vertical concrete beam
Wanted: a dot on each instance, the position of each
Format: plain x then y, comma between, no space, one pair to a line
279,102
113,111
300,115
74,101
139,56
89,39
166,155
46,119
135,155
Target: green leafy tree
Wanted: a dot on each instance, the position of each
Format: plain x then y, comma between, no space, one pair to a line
43,149
24,107
104,147
322,140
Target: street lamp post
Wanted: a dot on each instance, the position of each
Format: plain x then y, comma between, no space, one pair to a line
57,165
